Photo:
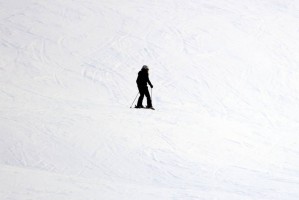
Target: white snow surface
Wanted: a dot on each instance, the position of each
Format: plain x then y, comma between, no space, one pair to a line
226,93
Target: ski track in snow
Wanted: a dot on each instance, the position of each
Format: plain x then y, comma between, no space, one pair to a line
225,78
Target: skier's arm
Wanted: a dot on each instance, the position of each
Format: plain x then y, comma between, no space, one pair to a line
149,82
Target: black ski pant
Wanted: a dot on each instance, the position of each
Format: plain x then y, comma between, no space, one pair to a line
143,90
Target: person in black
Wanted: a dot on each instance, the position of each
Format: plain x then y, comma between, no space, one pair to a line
142,81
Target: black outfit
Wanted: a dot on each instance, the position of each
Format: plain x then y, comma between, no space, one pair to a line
142,81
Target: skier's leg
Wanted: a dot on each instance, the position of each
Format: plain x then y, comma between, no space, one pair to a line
139,103
148,98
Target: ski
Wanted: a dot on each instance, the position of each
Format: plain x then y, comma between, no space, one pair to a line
150,108
144,107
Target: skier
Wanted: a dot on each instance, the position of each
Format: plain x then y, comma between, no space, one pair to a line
142,81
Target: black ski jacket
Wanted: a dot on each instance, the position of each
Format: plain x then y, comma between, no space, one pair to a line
143,79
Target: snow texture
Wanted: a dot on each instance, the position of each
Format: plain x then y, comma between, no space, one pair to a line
226,93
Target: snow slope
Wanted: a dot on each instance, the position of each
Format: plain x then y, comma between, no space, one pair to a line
226,93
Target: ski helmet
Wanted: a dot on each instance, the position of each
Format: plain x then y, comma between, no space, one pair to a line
145,67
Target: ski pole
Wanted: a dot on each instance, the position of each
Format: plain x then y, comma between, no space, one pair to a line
152,95
134,100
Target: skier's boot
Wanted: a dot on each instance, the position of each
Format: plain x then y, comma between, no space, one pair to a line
139,106
150,107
